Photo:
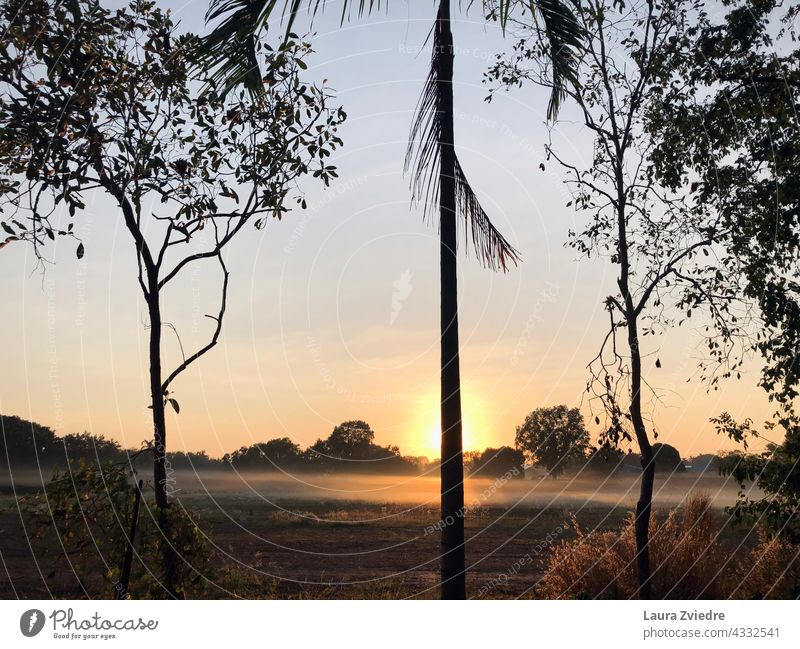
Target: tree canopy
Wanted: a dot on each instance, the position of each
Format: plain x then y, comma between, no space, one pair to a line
553,437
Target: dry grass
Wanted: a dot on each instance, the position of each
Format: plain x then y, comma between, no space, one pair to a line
685,552
771,570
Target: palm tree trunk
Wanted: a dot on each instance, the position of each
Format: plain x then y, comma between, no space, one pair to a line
452,470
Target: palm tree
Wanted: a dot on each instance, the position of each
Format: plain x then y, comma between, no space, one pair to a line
437,181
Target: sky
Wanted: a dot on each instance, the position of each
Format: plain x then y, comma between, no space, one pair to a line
333,311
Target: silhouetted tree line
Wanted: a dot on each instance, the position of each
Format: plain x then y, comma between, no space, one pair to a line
27,445
607,460
495,463
349,448
556,439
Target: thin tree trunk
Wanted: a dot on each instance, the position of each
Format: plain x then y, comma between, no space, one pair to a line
169,554
156,394
645,503
452,469
643,511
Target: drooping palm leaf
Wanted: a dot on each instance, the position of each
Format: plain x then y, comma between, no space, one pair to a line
565,36
230,49
423,161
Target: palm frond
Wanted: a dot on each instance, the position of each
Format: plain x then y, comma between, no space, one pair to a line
423,161
422,154
229,51
566,37
491,247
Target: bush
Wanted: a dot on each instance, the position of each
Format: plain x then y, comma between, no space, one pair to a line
775,471
684,554
79,530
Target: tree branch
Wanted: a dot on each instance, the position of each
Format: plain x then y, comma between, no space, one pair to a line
214,338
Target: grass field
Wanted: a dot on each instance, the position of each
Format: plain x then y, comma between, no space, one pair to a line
370,537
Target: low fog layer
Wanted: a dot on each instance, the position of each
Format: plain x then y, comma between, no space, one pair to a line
479,492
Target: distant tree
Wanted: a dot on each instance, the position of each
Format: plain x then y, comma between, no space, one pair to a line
350,447
26,444
667,459
282,453
605,460
499,462
92,448
275,454
553,437
705,462
350,440
193,461
317,454
470,460
246,457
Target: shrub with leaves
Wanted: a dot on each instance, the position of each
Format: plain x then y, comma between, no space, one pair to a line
79,526
775,471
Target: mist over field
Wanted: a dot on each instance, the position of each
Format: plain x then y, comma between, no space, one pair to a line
570,491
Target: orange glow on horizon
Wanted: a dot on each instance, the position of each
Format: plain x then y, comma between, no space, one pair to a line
426,437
